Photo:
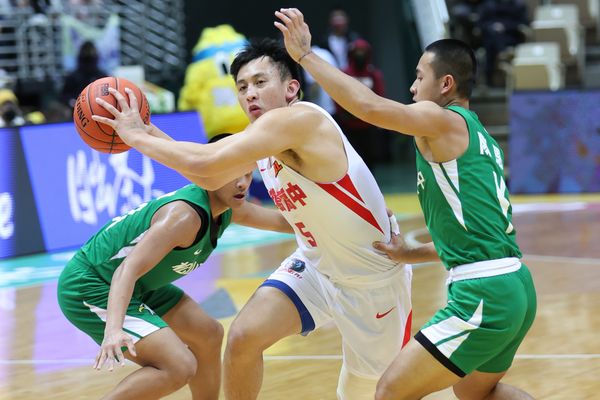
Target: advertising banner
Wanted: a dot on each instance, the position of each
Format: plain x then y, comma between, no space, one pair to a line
554,143
77,189
19,226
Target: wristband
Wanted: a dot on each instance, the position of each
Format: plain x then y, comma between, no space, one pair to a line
304,55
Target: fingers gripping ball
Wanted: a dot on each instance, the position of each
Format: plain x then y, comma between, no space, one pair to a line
99,136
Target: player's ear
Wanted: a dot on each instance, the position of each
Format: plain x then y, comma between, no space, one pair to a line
293,90
447,83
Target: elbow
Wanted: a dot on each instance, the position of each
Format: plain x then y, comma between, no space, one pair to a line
367,107
369,112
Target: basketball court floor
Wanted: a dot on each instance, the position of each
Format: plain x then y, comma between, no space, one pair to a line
43,357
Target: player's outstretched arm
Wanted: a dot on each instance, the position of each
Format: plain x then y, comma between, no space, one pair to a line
260,217
425,119
274,132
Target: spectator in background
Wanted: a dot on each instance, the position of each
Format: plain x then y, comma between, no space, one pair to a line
503,24
370,147
11,113
339,36
464,19
313,91
86,72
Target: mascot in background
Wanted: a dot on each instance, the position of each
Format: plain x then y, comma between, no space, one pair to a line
209,87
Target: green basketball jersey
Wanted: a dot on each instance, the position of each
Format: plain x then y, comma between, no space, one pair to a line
465,201
105,251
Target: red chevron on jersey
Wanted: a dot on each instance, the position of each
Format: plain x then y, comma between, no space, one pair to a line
358,208
277,167
347,184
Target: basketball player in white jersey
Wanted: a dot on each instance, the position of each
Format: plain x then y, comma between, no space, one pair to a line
330,198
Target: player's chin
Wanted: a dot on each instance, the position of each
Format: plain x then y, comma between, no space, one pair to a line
237,201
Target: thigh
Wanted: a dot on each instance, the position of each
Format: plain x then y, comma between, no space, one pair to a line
374,325
268,316
477,385
415,373
191,323
306,289
161,349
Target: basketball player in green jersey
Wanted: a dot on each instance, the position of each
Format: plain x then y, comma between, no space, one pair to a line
471,342
117,288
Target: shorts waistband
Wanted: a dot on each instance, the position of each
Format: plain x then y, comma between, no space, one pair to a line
483,269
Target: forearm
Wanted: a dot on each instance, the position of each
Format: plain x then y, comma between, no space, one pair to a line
154,131
345,90
119,297
422,253
263,218
188,158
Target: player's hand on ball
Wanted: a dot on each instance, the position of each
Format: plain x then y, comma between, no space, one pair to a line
110,351
127,122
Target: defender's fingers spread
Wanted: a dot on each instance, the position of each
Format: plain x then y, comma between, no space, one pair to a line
297,15
283,17
281,27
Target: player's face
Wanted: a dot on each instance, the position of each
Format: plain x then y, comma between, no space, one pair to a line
234,193
426,86
260,88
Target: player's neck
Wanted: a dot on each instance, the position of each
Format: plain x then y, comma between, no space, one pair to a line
217,207
464,103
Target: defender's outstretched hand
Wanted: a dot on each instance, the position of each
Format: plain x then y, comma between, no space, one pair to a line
396,249
296,34
127,122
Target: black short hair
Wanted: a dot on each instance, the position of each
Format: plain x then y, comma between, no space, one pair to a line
454,57
267,47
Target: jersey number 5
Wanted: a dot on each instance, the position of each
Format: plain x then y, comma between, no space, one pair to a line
310,238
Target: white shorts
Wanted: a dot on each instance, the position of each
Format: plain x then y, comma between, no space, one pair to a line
374,322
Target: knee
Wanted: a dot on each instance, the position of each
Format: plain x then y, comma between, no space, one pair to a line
214,336
207,337
182,371
242,339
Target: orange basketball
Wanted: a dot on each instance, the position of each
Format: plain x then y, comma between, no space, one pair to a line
99,136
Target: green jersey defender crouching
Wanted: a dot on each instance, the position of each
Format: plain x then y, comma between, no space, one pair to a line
117,288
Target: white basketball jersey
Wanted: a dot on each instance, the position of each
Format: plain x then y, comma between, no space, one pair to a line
335,223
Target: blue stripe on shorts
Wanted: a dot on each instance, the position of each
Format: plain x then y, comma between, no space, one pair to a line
308,324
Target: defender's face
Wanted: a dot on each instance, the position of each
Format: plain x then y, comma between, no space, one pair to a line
234,193
260,88
426,86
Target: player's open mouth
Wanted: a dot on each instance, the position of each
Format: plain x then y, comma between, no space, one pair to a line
240,196
254,110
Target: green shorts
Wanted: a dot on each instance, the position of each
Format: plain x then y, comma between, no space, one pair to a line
83,299
483,323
